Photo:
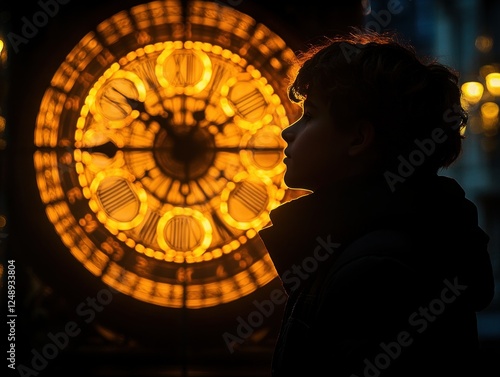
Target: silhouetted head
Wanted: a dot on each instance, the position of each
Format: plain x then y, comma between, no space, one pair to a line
412,102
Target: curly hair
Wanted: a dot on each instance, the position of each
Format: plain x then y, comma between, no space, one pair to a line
380,78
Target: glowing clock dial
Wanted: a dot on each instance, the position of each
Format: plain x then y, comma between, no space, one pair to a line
159,153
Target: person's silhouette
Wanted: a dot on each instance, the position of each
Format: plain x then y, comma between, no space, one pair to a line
384,263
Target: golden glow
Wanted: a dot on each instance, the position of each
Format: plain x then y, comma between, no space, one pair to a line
2,124
261,151
472,91
185,231
493,83
3,51
47,122
159,153
117,202
183,68
111,99
489,116
463,130
487,69
248,98
246,201
484,43
489,110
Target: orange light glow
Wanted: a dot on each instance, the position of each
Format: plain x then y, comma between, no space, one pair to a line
493,83
160,157
472,91
489,116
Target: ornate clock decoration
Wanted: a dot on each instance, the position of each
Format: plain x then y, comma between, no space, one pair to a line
158,151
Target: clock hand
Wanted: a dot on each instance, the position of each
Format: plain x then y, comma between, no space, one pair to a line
163,120
252,149
109,149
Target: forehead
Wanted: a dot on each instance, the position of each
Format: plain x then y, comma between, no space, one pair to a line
315,99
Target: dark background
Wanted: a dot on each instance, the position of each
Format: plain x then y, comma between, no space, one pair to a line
125,343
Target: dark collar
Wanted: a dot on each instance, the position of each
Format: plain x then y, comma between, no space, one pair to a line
337,214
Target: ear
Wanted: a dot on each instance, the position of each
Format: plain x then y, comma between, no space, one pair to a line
362,139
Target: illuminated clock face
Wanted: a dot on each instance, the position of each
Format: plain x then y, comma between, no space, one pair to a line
159,155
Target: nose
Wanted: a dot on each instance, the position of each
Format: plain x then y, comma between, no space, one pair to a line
289,133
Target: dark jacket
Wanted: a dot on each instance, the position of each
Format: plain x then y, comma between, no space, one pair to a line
380,283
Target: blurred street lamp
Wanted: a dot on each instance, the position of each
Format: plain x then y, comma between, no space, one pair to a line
472,91
493,83
481,98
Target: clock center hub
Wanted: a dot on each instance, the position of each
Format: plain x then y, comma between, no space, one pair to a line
185,153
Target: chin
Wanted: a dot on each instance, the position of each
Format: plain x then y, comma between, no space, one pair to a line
296,184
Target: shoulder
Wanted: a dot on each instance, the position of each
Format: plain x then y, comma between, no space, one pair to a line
380,262
382,244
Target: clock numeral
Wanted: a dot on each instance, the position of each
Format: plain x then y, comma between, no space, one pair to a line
243,258
220,271
183,233
263,151
143,37
184,70
184,275
72,103
117,201
142,265
117,197
112,248
249,100
74,194
88,223
252,196
245,203
250,103
116,99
